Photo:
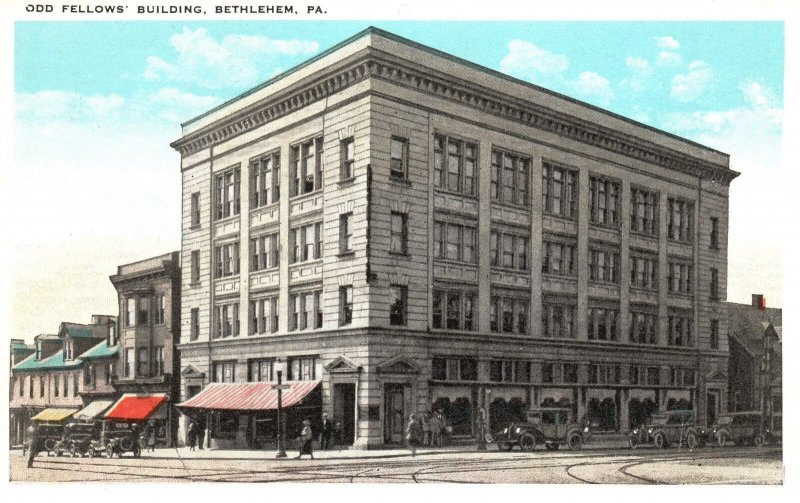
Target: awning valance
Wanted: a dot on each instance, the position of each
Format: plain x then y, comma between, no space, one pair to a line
54,415
93,410
248,396
136,407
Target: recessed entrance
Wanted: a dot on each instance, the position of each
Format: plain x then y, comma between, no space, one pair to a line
712,406
394,413
344,404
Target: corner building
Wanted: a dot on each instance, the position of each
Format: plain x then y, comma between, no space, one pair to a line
418,233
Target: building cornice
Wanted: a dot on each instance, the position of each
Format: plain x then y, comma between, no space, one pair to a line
373,64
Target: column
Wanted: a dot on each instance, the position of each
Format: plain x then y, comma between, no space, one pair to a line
285,247
663,265
535,252
484,235
624,261
244,249
583,254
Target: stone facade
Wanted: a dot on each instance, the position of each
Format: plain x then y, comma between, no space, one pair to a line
425,161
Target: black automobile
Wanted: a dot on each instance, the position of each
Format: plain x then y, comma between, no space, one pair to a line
549,426
741,428
113,437
673,427
47,436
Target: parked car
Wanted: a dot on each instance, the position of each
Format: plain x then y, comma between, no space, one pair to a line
676,427
116,438
551,427
78,438
741,428
47,437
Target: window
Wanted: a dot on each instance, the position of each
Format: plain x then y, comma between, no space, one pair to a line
714,287
455,165
347,154
158,361
570,372
112,334
644,270
263,316
714,337
57,386
509,315
679,328
109,376
307,243
680,278
604,373
142,363
455,369
602,323
714,233
226,260
41,386
603,265
260,370
643,327
454,242
264,252
398,157
30,386
510,178
195,267
549,373
306,164
681,220
682,377
559,191
160,304
509,371
128,362
603,201
509,251
644,376
74,386
195,209
194,320
346,233
644,210
454,310
305,310
398,302
226,186
558,257
143,312
130,313
302,368
224,371
558,319
398,242
226,320
346,303
265,180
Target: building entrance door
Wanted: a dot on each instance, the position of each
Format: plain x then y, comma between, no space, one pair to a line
712,406
344,406
394,413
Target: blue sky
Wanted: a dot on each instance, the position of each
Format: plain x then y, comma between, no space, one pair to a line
97,103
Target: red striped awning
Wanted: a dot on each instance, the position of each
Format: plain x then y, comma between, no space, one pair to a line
248,396
136,407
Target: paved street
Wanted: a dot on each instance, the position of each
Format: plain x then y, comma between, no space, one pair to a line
744,465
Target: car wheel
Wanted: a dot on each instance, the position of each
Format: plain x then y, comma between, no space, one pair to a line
502,446
691,441
759,440
722,439
527,443
659,441
90,452
633,443
575,442
49,444
109,451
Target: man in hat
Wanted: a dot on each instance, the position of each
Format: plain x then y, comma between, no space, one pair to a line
33,443
306,437
327,432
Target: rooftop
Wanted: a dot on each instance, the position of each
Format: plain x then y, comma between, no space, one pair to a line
55,362
102,350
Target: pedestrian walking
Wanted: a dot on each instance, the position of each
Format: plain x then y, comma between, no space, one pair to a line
306,438
33,443
201,434
426,428
326,433
150,436
436,425
191,436
413,434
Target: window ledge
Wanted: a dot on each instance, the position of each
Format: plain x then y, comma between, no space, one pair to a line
400,180
194,227
347,254
510,270
194,284
521,207
553,276
680,242
228,277
306,194
452,193
399,254
560,217
644,235
346,181
612,227
603,283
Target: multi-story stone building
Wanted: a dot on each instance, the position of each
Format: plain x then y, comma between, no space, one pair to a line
149,307
417,232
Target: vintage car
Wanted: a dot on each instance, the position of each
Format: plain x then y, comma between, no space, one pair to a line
548,426
676,427
741,428
77,439
47,436
116,438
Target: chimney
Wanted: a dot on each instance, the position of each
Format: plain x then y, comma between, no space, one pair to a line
759,301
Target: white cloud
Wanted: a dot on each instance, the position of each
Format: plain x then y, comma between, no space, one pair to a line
66,105
667,42
686,87
593,86
527,61
176,106
756,94
668,58
640,66
236,60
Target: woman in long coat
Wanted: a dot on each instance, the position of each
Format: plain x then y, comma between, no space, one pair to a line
191,436
306,437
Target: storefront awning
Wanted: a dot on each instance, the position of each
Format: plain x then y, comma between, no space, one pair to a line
93,410
136,407
53,415
248,396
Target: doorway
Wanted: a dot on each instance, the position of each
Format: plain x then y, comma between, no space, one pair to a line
394,413
712,406
344,406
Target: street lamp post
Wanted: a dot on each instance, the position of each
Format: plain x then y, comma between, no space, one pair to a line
279,368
